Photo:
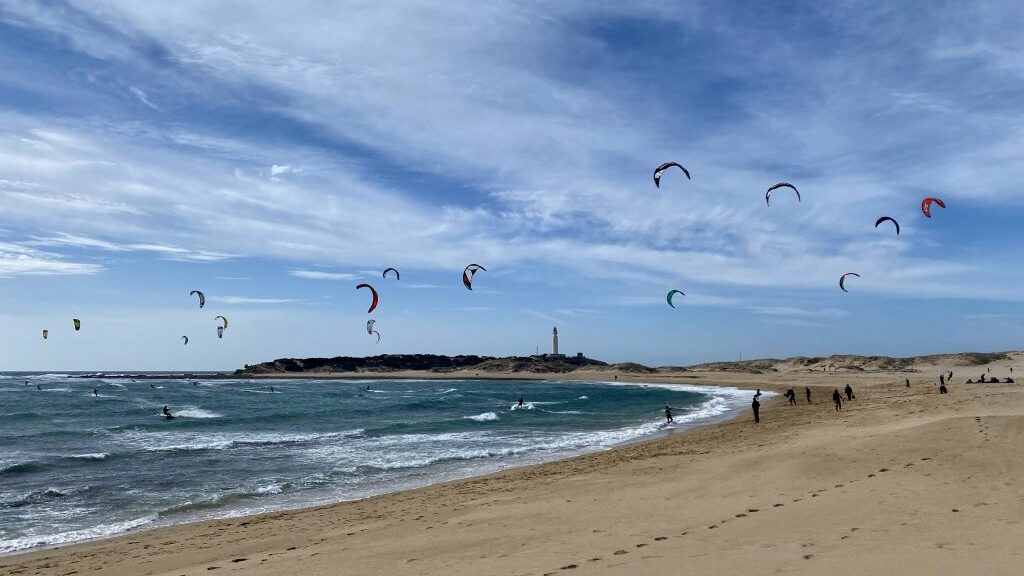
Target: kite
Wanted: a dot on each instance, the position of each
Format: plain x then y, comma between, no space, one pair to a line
926,205
397,275
46,334
467,275
842,280
370,330
202,297
666,166
884,218
78,324
185,338
672,293
373,303
225,326
768,194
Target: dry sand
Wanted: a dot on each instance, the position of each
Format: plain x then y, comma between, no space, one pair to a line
902,481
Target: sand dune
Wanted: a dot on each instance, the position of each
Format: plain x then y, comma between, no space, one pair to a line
903,481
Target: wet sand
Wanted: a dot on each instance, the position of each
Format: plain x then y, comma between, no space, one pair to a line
901,481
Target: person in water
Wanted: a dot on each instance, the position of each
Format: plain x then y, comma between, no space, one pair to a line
849,393
807,392
520,401
668,414
95,392
152,387
837,399
271,388
756,407
167,411
37,387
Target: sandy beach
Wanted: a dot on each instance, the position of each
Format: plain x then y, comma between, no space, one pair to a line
903,480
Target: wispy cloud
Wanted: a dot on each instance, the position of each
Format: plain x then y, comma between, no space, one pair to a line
320,275
18,260
249,300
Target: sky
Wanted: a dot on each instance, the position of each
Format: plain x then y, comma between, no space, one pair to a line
274,155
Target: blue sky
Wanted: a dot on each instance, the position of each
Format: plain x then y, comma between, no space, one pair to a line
275,155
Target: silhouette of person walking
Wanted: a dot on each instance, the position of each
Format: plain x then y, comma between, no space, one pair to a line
807,391
849,393
837,399
756,407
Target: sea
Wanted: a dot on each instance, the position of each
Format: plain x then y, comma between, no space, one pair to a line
75,465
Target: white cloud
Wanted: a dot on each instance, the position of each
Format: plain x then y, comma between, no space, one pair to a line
276,170
318,275
17,260
249,300
143,97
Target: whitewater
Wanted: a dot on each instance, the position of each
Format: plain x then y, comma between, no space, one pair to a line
76,466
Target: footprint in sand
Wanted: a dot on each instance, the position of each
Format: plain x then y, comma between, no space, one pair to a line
778,506
660,538
620,552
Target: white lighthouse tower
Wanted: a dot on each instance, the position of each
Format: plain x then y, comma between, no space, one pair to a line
554,341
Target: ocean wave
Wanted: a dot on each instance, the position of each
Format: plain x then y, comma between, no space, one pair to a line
485,417
159,442
197,413
524,406
65,536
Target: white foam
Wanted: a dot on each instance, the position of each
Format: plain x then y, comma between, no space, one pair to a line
197,413
485,417
96,456
63,537
525,406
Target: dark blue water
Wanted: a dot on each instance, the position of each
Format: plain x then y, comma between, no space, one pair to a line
75,466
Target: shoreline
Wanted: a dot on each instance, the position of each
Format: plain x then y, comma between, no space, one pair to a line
732,410
806,491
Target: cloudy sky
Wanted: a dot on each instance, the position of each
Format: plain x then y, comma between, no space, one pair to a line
274,155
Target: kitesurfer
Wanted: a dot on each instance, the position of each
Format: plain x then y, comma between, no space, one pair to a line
167,411
520,401
271,388
756,407
837,399
95,392
668,414
37,387
849,392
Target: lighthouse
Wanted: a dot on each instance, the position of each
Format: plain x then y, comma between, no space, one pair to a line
554,341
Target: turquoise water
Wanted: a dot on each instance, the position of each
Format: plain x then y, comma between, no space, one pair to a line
75,466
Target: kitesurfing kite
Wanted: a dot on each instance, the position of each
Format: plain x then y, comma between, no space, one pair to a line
884,218
370,330
842,280
225,326
78,324
373,303
768,194
672,293
202,297
185,338
46,334
666,166
468,273
397,275
926,205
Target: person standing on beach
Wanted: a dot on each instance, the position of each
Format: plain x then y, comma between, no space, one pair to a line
807,391
942,380
908,382
756,407
668,412
849,393
791,396
837,399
